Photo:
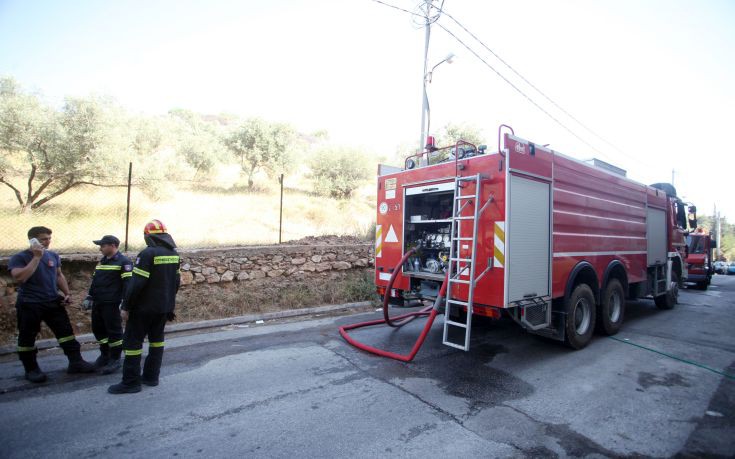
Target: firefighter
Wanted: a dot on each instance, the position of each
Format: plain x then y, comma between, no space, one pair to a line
38,271
147,304
110,277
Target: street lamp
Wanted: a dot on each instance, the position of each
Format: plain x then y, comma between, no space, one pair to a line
425,112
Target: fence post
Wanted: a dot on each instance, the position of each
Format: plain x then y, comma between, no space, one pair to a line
127,209
280,218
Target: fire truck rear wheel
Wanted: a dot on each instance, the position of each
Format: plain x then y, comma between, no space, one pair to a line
580,323
612,308
670,298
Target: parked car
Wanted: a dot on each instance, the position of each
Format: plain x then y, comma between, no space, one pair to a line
720,267
731,268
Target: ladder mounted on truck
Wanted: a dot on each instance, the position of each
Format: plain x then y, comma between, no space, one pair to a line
462,262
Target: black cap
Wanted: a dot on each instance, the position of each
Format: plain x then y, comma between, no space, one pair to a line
108,239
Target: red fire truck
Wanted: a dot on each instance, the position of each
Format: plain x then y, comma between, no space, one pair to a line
699,257
557,243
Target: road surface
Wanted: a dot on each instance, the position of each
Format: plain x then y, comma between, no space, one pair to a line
296,389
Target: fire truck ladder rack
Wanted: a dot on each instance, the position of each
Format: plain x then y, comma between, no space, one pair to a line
462,264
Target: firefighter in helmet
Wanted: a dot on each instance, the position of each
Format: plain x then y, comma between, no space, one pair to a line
147,304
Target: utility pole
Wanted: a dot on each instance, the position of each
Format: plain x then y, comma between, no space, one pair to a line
425,101
719,236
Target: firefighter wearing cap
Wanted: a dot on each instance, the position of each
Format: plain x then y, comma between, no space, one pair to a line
111,276
147,304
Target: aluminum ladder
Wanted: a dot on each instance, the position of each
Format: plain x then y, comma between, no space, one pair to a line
461,266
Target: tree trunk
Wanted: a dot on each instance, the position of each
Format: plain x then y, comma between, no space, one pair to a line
250,178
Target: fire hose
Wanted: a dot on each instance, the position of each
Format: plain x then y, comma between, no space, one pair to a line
397,321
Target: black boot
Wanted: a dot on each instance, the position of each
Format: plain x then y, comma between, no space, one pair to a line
78,365
131,377
36,376
152,367
123,389
112,366
30,365
113,363
104,357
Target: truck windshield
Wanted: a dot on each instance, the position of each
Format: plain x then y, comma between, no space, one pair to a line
695,244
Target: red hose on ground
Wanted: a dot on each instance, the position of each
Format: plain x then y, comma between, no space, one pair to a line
397,321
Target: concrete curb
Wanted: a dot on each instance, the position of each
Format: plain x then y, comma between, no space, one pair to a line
214,323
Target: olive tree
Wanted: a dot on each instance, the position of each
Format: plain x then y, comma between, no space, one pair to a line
47,152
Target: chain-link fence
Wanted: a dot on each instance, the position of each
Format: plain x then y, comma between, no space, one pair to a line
198,213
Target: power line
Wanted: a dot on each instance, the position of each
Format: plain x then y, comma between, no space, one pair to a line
510,83
555,104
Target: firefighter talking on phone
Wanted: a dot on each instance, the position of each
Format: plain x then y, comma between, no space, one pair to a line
38,272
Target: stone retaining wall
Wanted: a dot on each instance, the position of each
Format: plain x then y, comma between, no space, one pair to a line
278,261
215,266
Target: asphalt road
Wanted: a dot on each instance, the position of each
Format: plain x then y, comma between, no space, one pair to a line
297,390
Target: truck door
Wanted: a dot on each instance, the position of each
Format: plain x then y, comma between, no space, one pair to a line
528,218
528,239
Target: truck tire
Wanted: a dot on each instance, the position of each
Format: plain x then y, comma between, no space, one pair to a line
669,300
612,308
702,285
580,323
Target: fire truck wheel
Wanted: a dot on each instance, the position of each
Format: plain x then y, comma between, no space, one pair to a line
669,300
612,308
702,285
580,323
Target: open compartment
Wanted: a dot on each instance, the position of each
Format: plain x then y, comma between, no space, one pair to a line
427,227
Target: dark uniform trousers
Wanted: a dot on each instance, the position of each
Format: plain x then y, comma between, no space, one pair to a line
53,313
140,325
107,328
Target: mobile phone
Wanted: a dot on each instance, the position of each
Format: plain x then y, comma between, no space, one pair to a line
34,242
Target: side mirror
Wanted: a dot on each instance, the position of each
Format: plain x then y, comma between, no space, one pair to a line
692,217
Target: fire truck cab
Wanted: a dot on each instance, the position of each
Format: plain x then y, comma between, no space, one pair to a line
699,258
555,243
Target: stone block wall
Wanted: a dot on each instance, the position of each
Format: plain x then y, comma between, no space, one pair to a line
253,263
218,266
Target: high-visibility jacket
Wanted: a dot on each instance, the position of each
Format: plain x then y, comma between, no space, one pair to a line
156,277
111,276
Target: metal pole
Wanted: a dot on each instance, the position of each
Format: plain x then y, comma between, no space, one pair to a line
425,101
280,218
127,209
719,236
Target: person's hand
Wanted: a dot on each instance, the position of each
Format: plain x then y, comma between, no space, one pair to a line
37,250
87,303
67,298
124,314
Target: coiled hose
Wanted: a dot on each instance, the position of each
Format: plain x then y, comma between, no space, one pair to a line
398,321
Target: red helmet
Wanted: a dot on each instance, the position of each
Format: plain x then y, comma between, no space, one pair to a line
154,227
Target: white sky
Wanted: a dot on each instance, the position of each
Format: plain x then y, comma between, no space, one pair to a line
655,78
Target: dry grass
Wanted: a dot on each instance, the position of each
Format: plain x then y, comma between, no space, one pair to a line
203,217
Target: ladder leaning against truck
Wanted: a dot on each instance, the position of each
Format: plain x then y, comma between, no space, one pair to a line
555,243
